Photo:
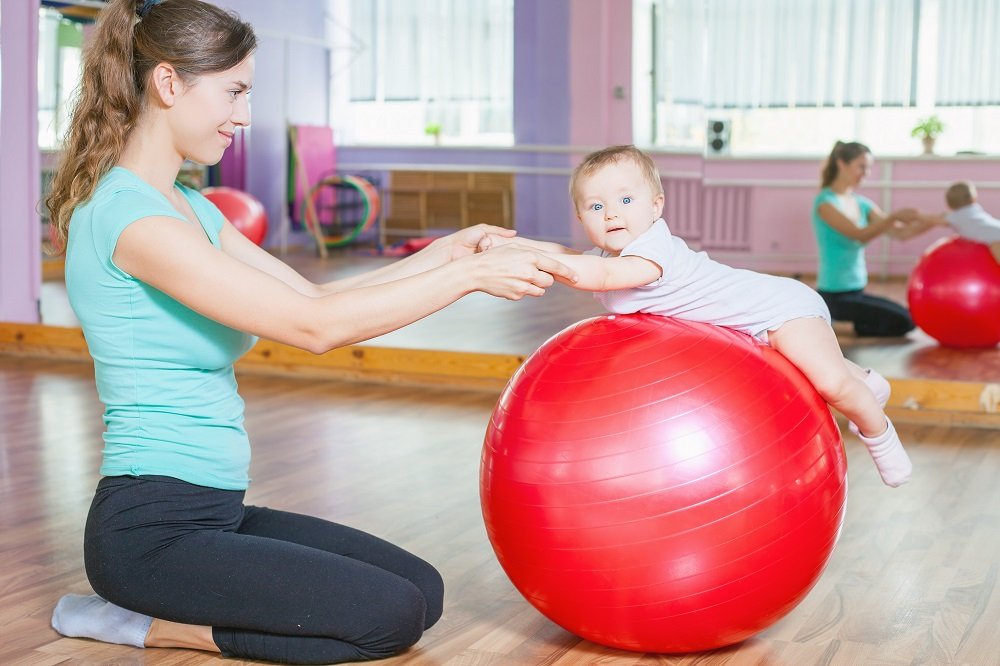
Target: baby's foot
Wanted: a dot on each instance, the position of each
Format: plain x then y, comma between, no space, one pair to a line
879,386
90,616
890,457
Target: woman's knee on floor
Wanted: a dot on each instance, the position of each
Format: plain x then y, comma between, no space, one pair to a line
885,325
400,627
431,585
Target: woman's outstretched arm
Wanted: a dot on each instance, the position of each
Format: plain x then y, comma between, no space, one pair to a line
173,257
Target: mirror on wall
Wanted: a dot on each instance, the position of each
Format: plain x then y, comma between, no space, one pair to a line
739,141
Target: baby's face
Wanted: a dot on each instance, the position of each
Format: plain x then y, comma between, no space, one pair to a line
616,205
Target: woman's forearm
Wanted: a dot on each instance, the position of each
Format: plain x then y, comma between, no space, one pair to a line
431,257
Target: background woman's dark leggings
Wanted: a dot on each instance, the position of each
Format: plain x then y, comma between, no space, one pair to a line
872,316
272,585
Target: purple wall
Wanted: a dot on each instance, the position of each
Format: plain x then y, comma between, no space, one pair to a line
542,80
20,227
290,87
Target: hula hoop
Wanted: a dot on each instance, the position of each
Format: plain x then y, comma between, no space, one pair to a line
369,198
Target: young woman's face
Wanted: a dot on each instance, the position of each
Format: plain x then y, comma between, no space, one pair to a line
617,204
853,172
208,112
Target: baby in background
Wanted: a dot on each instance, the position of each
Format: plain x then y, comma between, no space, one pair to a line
967,217
639,266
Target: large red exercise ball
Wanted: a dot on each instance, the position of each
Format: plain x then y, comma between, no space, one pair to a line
954,294
661,486
243,211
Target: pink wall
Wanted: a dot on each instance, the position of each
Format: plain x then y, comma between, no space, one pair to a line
778,206
600,59
20,227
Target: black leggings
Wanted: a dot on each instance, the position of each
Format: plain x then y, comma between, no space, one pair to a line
872,316
272,585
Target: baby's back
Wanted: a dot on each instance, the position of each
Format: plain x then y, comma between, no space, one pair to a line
974,223
697,288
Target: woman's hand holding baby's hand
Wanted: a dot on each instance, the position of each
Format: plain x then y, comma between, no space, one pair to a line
493,240
514,272
469,240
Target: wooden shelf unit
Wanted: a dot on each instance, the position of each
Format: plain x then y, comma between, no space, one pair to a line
418,202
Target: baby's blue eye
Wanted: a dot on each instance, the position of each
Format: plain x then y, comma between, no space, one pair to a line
597,207
626,200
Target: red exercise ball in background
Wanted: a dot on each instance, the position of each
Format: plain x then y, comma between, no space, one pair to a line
954,294
661,486
242,210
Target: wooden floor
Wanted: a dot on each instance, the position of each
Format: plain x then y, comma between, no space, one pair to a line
913,580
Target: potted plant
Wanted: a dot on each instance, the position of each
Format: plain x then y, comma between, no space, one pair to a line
433,130
927,130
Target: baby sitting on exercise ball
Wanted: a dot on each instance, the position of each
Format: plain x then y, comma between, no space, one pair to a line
639,266
969,219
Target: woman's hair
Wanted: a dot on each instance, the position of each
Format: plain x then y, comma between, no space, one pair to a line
612,155
131,38
845,152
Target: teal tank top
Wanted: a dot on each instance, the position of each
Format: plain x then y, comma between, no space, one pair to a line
842,264
163,371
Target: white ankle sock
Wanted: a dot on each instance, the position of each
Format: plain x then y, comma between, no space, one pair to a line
90,616
890,457
879,386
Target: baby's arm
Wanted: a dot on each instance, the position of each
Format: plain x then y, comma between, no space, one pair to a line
940,219
609,273
594,273
918,224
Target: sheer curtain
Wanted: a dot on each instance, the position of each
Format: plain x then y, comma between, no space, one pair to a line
788,53
452,58
968,44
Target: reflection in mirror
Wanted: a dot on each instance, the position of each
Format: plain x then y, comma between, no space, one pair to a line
739,142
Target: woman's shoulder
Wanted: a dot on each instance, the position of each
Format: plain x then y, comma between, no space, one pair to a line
121,197
120,184
825,195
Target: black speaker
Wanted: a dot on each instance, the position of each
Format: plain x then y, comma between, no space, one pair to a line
717,137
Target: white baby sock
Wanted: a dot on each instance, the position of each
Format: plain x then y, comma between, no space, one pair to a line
890,457
880,387
90,616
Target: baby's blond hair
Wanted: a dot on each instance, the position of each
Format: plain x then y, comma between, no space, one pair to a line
597,160
960,195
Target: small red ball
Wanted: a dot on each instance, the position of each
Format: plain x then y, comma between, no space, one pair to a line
954,294
242,210
658,485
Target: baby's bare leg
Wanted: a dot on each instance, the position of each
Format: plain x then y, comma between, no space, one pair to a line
811,345
995,251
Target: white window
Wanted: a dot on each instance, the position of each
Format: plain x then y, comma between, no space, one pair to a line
793,76
59,55
423,71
